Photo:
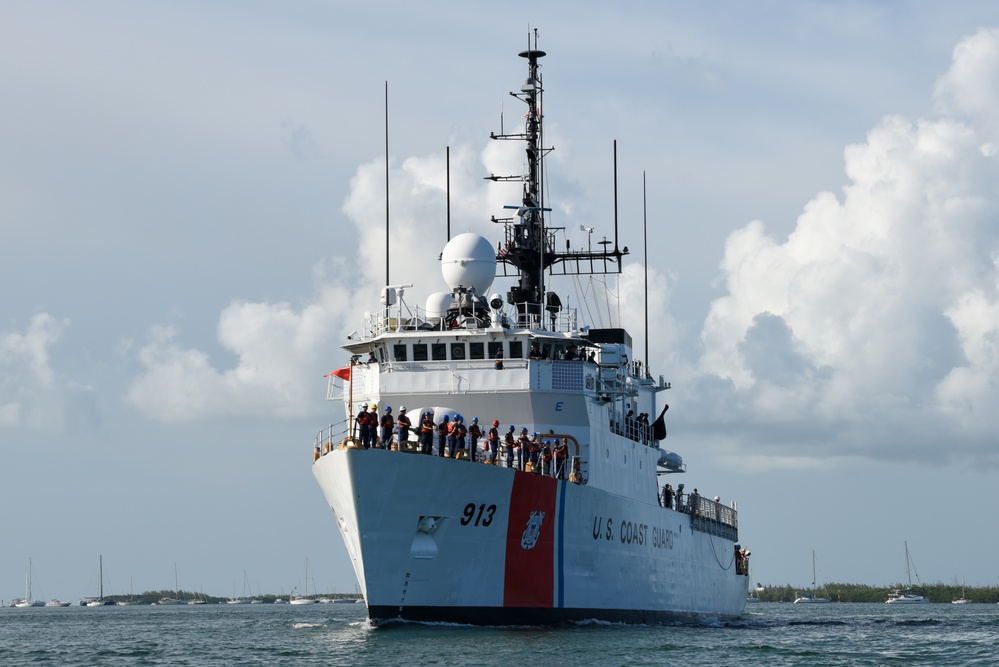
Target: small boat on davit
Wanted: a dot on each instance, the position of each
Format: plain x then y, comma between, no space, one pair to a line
549,509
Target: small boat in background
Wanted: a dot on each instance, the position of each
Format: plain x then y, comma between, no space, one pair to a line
301,599
166,602
26,601
99,600
811,598
905,595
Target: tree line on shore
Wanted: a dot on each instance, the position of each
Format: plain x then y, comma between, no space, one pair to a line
149,597
862,593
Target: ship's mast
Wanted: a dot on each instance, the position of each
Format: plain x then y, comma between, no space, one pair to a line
529,245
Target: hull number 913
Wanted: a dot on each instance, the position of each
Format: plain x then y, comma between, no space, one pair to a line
478,515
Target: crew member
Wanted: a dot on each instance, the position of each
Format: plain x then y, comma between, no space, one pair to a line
361,426
561,452
460,431
523,444
452,434
546,458
474,433
492,443
667,497
427,434
388,426
508,444
404,425
533,451
442,429
694,502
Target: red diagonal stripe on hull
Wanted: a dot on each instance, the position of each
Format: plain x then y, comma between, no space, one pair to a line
529,579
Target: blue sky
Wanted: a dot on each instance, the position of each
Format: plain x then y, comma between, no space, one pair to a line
192,220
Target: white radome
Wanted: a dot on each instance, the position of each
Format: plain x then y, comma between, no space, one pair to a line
469,261
438,303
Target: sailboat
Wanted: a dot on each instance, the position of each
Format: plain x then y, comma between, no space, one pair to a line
131,596
301,599
99,600
905,595
962,599
242,600
811,598
172,601
26,601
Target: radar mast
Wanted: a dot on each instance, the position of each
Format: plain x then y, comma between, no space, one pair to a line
530,246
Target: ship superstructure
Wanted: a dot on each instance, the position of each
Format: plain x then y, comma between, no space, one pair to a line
569,523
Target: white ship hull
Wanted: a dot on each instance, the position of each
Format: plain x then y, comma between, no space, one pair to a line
435,539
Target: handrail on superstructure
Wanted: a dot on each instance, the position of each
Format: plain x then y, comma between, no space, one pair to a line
391,320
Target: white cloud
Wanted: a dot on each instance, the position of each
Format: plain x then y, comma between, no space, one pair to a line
282,354
32,394
281,349
880,308
968,89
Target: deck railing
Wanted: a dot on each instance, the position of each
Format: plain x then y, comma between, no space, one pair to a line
335,437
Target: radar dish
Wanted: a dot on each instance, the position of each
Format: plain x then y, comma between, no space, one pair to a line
469,261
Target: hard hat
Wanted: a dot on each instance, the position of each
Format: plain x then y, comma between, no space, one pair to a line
426,414
374,406
512,427
365,405
475,420
524,429
388,408
402,408
556,441
548,442
495,422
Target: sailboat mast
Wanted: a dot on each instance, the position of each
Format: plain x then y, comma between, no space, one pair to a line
908,574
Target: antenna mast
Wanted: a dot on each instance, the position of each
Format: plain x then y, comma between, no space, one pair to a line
529,246
645,241
387,282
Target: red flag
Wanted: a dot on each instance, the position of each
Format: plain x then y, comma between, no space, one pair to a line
342,373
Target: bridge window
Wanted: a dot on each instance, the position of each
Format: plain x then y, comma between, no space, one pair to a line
516,349
476,351
420,352
495,347
457,351
439,351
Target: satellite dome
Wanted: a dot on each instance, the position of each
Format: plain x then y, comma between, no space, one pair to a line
438,302
469,261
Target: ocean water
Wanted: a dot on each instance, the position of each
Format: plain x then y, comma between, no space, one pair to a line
769,634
